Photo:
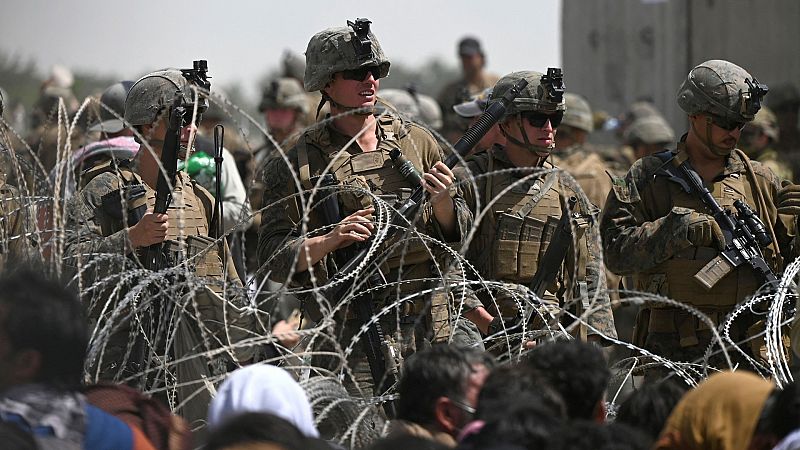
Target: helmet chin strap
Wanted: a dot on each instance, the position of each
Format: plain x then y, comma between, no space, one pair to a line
356,110
527,144
719,151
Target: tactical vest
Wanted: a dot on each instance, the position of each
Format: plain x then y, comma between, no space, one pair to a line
188,232
674,278
523,218
361,173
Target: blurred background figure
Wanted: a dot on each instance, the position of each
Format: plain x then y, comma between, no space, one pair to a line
472,110
474,79
759,139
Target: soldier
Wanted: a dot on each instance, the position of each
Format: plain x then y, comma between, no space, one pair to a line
96,226
474,80
472,110
575,155
784,101
345,65
758,142
648,135
525,206
294,66
663,236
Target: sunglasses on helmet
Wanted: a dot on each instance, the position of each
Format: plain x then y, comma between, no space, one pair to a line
361,73
729,125
537,119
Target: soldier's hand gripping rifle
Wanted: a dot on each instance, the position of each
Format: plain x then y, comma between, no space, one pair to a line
180,113
378,352
744,232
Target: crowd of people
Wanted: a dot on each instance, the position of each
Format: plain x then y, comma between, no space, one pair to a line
389,270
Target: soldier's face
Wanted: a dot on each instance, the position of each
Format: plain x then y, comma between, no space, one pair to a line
280,119
353,93
718,137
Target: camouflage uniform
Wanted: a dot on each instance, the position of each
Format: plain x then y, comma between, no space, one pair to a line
320,150
647,227
514,236
96,229
766,123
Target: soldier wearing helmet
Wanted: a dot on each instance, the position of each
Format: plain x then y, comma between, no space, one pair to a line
524,193
102,219
648,135
662,236
575,155
758,141
298,247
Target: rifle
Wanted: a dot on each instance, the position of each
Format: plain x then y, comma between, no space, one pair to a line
379,355
553,257
179,115
744,232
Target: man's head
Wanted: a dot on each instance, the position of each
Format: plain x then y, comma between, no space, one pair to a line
649,135
283,102
43,332
577,122
149,100
720,98
112,110
472,57
784,100
439,387
532,118
345,63
761,132
578,371
472,110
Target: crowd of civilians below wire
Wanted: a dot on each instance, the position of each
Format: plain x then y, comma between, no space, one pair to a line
555,397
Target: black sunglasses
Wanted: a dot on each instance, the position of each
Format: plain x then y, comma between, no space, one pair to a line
537,119
726,124
361,73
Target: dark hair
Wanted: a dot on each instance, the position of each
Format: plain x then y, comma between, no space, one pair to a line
41,314
525,422
575,369
589,435
407,442
648,408
440,371
14,438
256,427
508,384
780,414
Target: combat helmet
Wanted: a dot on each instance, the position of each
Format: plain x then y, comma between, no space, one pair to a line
284,93
723,90
649,130
544,94
578,113
154,93
342,48
766,121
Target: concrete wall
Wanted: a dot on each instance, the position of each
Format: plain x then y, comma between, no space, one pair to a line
618,51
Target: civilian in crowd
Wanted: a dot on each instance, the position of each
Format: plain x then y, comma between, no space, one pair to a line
648,408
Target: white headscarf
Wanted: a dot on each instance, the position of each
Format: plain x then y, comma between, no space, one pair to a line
262,388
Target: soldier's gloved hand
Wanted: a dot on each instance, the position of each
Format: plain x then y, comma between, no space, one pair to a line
704,231
788,199
151,229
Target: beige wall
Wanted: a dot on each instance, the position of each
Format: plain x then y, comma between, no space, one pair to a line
616,51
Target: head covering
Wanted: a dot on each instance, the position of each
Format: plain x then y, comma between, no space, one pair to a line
790,442
720,414
113,98
262,388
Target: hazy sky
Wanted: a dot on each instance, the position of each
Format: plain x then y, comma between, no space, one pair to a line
243,39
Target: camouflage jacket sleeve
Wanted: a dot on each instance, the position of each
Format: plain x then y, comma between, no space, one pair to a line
280,233
84,239
631,242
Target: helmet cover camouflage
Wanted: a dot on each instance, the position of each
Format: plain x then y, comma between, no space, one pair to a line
284,93
542,94
578,113
722,89
153,93
342,48
401,101
649,130
766,121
